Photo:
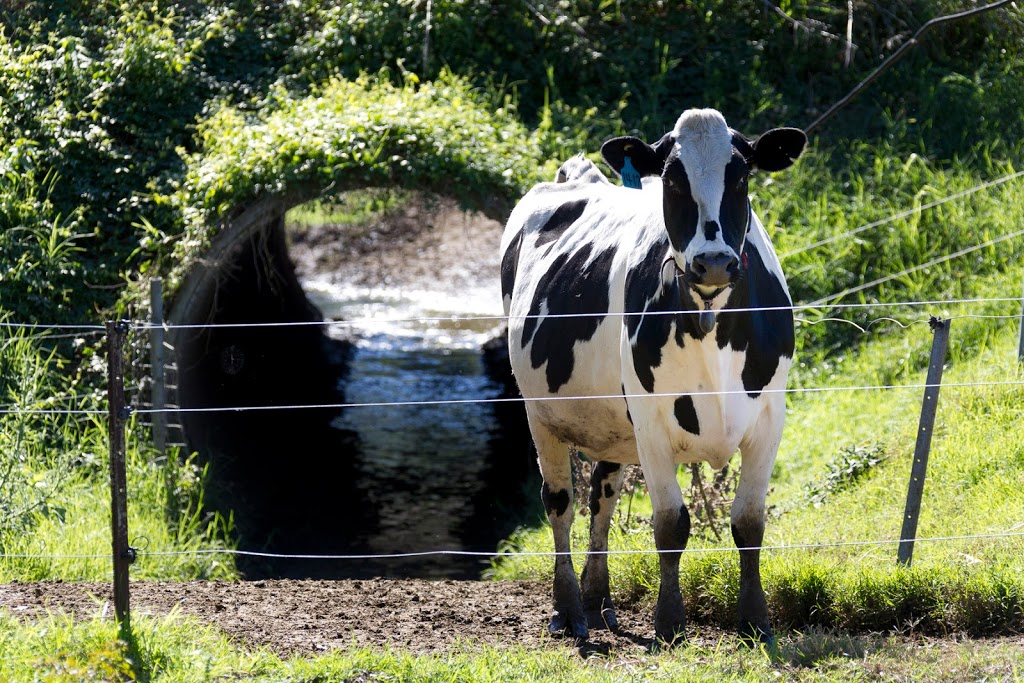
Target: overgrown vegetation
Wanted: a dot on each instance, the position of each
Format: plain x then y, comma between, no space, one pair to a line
118,121
54,480
129,132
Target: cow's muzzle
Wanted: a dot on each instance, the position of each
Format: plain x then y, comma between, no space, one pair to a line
703,289
713,269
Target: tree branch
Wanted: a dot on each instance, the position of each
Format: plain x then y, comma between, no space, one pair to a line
896,56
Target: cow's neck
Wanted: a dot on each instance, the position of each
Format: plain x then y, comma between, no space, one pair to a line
707,306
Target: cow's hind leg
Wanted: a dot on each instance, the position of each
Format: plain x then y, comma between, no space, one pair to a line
605,485
557,494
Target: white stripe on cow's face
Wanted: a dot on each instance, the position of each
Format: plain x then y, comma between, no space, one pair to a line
704,146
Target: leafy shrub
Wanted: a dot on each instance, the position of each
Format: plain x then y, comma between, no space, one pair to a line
851,465
41,251
353,134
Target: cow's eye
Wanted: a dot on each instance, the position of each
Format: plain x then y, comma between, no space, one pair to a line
742,182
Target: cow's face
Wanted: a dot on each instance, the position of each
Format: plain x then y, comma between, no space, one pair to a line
704,166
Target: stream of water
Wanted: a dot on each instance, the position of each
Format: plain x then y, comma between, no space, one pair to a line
434,476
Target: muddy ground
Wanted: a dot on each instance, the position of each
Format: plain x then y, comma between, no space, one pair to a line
308,617
425,243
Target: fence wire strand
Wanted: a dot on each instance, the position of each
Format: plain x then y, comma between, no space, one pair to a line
366,322
903,214
516,399
506,554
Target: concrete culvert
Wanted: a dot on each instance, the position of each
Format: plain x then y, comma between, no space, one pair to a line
362,479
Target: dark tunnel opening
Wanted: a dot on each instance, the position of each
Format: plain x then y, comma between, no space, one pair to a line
295,479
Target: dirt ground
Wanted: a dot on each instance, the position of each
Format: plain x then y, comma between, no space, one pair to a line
309,617
425,243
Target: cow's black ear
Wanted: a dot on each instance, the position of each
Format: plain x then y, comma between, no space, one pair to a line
777,149
647,160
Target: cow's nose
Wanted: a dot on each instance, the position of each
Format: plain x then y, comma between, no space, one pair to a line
716,268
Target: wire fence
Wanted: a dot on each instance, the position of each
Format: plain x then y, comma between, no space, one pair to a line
518,399
141,407
121,409
511,554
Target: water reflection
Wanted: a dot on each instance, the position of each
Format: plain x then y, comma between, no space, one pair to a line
436,477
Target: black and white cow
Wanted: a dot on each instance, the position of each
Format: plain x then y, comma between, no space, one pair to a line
665,309
580,169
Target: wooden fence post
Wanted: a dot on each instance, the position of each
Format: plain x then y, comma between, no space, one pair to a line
118,414
158,390
940,344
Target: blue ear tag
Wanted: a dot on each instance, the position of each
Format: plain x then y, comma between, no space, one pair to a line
630,176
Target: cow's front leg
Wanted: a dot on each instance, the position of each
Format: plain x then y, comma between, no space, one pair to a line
671,532
747,518
605,485
556,494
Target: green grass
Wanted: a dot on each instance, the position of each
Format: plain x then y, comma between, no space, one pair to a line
58,649
55,486
350,209
829,193
975,486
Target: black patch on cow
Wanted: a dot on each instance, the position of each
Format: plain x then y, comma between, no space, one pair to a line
763,335
651,332
509,265
679,208
675,534
563,217
686,414
555,502
710,229
573,285
599,487
734,212
628,416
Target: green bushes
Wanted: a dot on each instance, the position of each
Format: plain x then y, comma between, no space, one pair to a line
41,250
113,107
351,134
37,450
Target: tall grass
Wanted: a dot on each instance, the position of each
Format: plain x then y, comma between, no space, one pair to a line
830,193
54,483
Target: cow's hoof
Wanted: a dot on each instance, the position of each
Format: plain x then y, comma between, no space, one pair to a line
669,632
602,619
563,624
668,638
669,622
753,635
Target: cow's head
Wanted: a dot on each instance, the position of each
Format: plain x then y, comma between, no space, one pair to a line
579,169
704,166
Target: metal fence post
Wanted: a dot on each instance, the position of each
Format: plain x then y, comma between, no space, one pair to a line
158,390
940,344
118,414
1020,340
